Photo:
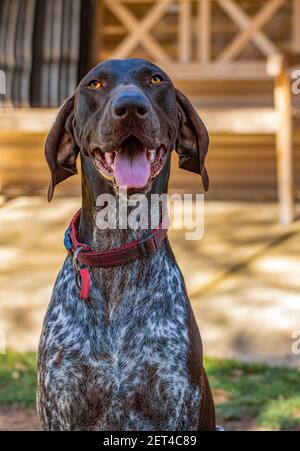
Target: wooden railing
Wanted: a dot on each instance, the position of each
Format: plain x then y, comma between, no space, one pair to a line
199,46
193,24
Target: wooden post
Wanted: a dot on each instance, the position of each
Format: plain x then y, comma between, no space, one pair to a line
284,146
204,37
185,31
296,26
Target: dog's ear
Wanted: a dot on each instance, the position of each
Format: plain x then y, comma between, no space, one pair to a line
192,142
60,149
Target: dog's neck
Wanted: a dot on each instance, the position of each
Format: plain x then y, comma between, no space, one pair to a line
92,187
115,283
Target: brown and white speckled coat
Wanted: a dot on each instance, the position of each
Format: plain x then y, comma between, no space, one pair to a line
129,358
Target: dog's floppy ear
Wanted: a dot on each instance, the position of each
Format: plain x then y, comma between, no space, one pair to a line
60,149
192,142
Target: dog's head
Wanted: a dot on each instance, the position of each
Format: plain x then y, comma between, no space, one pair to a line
125,118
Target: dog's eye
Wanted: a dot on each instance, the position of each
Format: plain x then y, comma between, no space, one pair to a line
95,84
156,79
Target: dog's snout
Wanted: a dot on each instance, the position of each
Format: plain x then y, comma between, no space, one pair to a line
130,104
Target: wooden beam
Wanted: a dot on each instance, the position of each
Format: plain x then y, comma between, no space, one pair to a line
139,29
130,22
249,70
204,26
240,120
284,144
251,28
35,120
296,26
185,31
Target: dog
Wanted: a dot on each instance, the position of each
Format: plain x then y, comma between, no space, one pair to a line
120,349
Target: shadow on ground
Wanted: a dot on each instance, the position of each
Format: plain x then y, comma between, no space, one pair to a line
242,277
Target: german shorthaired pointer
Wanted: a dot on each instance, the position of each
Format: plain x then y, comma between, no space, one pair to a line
129,356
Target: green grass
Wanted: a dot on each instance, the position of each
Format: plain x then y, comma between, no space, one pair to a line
268,397
18,378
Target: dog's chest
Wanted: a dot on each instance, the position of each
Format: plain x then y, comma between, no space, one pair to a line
122,362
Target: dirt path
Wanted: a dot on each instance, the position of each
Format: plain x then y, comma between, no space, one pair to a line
26,419
18,419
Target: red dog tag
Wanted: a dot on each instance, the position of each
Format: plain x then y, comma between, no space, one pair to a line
85,283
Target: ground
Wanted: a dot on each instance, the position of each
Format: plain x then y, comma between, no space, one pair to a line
243,281
16,418
242,277
247,396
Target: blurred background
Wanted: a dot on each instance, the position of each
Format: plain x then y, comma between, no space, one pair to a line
237,62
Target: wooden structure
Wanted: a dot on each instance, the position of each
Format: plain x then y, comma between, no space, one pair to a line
200,42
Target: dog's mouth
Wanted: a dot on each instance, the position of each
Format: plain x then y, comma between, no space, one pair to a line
132,165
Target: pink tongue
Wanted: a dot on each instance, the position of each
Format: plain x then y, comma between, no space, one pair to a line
132,168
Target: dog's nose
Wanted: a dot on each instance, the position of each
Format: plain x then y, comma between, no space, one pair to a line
130,104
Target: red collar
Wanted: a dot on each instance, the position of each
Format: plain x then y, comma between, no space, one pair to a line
84,255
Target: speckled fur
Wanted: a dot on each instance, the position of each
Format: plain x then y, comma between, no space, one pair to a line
126,359
130,358
119,361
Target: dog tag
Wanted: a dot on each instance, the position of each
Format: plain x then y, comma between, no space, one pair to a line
85,279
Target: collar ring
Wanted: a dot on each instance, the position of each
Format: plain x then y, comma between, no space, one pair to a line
74,259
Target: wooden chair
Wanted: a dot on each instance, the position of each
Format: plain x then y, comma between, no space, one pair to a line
281,120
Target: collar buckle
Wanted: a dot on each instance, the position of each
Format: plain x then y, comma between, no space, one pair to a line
147,246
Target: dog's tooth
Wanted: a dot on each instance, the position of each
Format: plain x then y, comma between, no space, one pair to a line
109,158
152,153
